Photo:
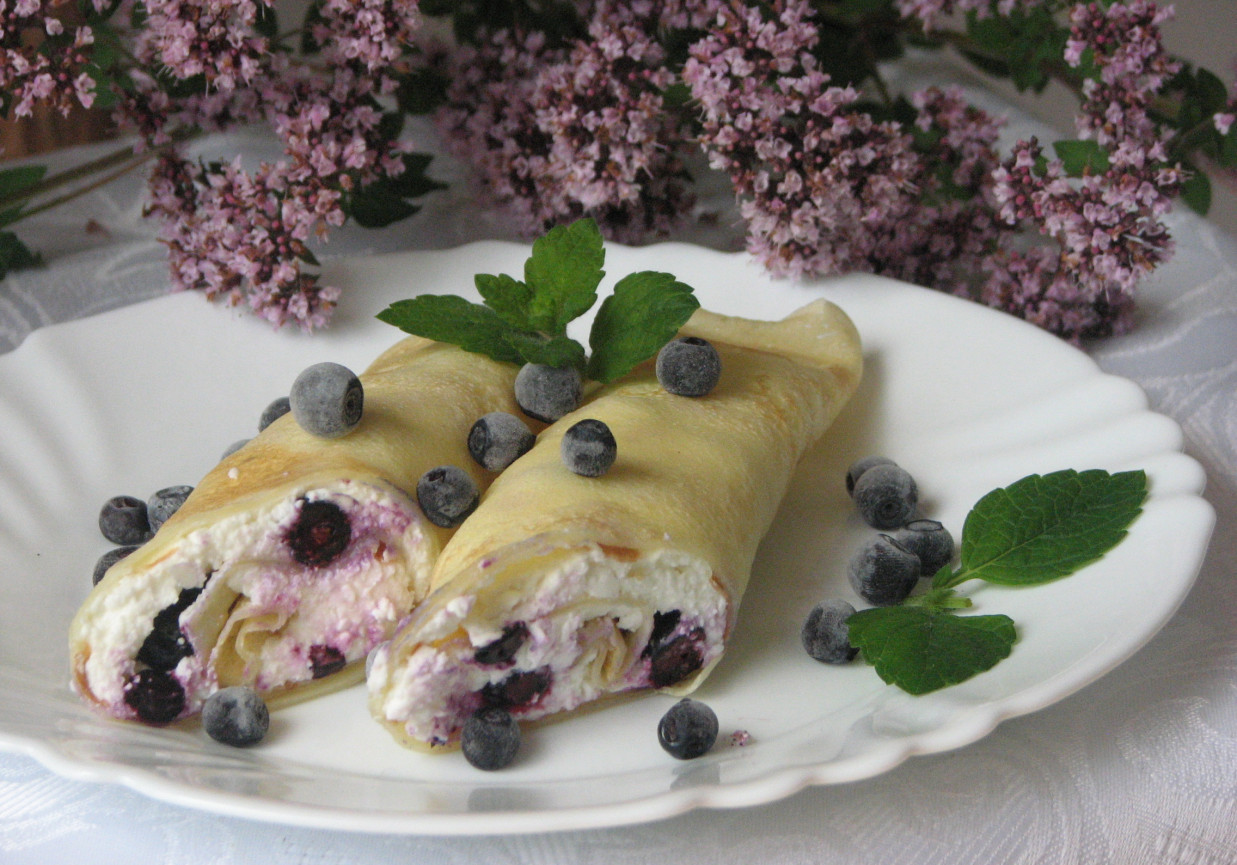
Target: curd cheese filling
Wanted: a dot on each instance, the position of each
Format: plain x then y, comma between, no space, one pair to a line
595,623
294,592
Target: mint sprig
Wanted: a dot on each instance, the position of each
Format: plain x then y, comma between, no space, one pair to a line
525,321
1038,529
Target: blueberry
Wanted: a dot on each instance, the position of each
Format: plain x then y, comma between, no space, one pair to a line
156,696
447,495
502,651
110,558
883,572
123,520
166,644
521,688
674,661
825,635
233,448
498,439
688,366
274,411
546,393
236,716
321,533
588,448
327,400
859,466
490,739
885,496
325,660
688,730
165,502
929,540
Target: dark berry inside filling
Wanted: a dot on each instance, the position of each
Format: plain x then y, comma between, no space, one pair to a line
502,651
517,690
156,696
324,660
677,659
664,624
321,533
165,645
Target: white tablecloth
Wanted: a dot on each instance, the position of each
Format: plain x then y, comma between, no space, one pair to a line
1140,767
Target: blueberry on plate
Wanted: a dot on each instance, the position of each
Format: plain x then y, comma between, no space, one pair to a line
498,439
327,400
929,540
490,738
861,465
825,635
233,448
886,496
688,730
274,411
236,716
110,558
546,393
688,366
447,495
883,572
165,502
588,448
123,520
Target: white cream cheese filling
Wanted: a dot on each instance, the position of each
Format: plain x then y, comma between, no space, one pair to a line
586,623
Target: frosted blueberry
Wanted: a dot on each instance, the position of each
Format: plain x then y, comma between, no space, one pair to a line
825,635
490,738
588,448
123,520
165,502
886,496
273,412
236,716
688,730
929,540
883,572
327,400
447,495
110,558
688,366
859,466
546,393
498,439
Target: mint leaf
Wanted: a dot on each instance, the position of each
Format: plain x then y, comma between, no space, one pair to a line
922,650
452,319
644,313
557,351
507,296
1045,527
563,274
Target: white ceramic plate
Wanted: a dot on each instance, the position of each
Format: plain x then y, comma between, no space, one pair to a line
966,398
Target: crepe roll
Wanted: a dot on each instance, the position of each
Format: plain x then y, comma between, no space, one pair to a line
561,589
295,555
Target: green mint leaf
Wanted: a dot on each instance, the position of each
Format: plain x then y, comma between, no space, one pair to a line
1196,192
558,351
645,312
378,205
1081,157
563,274
1044,527
922,650
452,319
507,296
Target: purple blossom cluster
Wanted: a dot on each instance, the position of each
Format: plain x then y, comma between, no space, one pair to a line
578,131
244,234
1106,227
40,61
214,39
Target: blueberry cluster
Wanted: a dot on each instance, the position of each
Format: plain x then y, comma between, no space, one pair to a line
886,569
129,522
